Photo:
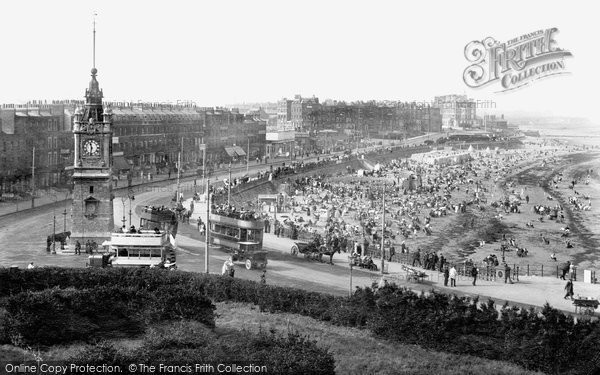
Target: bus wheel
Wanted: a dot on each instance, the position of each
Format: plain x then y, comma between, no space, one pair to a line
294,250
248,264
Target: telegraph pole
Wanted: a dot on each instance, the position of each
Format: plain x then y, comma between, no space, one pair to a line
33,179
203,162
178,174
383,230
129,211
248,156
207,226
229,185
54,226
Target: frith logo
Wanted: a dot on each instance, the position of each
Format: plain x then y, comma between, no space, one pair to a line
515,63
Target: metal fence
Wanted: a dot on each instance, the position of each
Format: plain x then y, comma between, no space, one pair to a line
488,272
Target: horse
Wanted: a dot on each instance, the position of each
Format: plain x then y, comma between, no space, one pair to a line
324,250
61,237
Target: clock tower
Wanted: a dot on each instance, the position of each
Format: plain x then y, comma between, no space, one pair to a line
92,209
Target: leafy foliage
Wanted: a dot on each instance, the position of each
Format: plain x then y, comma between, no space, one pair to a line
58,315
545,340
183,343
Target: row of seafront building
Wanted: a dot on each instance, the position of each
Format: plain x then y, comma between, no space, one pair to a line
149,136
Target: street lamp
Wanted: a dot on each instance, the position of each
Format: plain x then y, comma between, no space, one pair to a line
131,198
64,220
54,225
123,201
351,267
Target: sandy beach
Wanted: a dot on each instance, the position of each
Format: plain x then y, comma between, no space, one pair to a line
514,174
535,179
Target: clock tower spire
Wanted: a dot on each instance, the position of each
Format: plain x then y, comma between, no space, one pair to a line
92,210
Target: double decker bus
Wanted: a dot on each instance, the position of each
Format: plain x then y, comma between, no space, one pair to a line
243,237
162,218
153,246
146,248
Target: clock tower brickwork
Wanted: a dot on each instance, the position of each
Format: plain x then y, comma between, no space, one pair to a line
92,209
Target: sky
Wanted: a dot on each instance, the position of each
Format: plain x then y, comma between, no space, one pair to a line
221,52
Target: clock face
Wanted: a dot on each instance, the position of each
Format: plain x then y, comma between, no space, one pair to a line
91,148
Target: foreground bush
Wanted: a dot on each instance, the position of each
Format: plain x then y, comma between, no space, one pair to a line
548,340
55,315
186,342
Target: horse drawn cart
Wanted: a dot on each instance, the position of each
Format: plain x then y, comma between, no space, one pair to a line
313,249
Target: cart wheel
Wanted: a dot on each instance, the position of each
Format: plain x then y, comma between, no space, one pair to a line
248,264
294,250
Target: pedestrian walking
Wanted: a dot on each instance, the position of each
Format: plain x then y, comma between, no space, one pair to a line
453,275
474,273
417,258
446,275
77,247
507,278
565,269
228,268
569,290
392,253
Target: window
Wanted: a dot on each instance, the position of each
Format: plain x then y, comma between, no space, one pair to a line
91,190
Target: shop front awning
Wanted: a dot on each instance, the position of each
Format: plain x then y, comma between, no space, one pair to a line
120,163
239,151
231,152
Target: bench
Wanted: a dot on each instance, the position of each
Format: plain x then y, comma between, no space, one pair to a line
586,306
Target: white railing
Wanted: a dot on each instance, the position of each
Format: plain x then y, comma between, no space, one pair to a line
148,238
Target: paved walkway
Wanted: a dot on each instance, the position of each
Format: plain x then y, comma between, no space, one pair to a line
528,291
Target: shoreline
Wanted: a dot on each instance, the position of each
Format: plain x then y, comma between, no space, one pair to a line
583,234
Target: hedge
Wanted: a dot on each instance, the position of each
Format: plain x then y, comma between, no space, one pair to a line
183,343
54,316
545,340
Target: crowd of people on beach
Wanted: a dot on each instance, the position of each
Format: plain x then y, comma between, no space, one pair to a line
417,194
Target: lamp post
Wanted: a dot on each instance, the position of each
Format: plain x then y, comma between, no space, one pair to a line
351,267
54,226
131,198
207,227
65,213
383,231
64,220
248,156
123,219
